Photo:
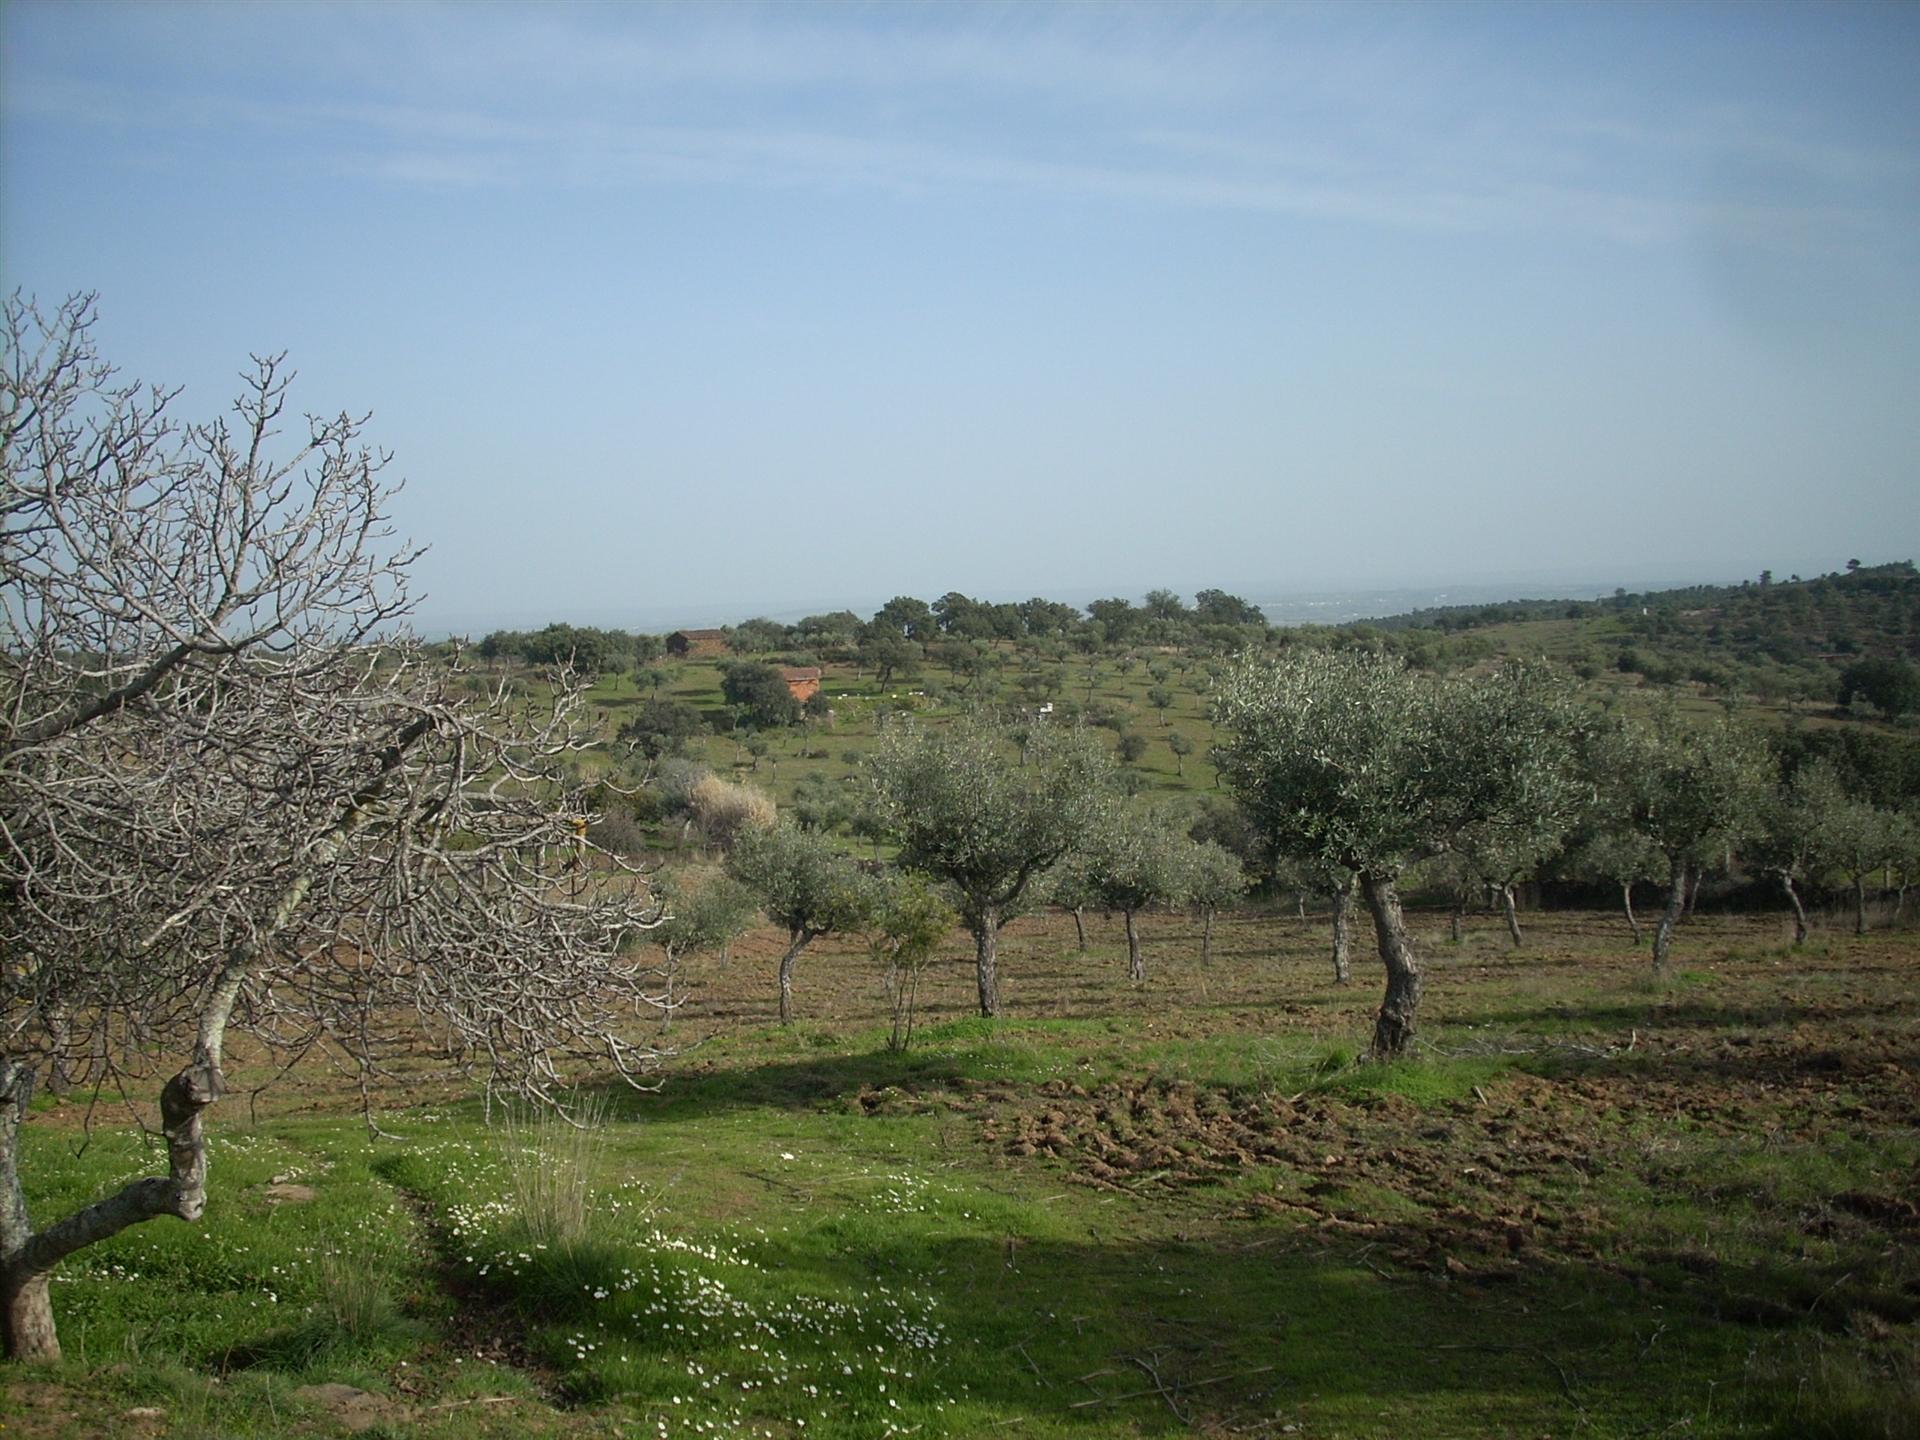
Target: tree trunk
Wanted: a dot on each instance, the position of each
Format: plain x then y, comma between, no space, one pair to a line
1670,917
27,1322
1136,967
1399,1013
59,1036
1694,877
1080,926
1511,911
27,1258
986,962
1206,936
1626,903
1860,903
1343,934
1456,913
798,941
1799,910
1300,904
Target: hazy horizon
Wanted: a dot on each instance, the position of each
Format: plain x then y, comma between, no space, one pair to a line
1282,604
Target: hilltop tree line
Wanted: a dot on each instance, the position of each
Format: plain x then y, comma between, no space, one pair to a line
1851,638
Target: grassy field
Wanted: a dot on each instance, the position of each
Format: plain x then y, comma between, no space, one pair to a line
1589,1207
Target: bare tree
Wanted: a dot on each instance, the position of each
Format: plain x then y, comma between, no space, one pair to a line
232,797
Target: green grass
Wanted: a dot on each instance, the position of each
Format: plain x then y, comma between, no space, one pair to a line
803,1225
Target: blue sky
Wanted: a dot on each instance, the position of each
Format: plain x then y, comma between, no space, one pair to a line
692,311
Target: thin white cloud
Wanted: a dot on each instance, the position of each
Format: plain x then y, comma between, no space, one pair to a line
1334,120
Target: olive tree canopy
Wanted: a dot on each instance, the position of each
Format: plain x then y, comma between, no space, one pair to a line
972,807
231,797
1136,859
1693,791
806,886
1348,761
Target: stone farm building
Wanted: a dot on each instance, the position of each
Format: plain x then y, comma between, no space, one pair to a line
697,644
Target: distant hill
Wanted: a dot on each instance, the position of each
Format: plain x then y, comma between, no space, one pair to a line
1779,640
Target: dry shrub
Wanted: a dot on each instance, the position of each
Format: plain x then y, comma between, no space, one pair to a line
724,810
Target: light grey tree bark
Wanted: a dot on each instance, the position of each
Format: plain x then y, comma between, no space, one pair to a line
1395,1025
1670,916
797,941
1343,933
1512,913
986,960
1799,909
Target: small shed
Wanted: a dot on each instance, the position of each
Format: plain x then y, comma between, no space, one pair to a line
803,682
696,644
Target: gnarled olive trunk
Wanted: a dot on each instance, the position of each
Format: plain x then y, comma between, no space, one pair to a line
1136,966
1399,1013
986,937
1860,903
1670,916
1343,934
1080,926
1626,903
797,940
1799,910
1206,935
1511,911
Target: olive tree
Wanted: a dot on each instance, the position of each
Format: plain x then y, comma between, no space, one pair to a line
1691,790
709,915
1799,824
1902,856
909,921
1350,761
1858,839
227,803
965,810
1215,877
1133,860
803,885
1614,852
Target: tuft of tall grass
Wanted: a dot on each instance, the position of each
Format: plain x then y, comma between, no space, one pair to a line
1838,1392
553,1159
352,1291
